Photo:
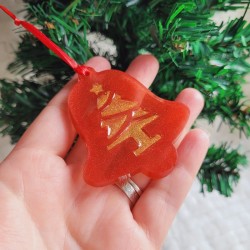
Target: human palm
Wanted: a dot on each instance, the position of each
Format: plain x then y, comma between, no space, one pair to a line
45,204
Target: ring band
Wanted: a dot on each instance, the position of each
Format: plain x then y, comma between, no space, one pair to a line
132,191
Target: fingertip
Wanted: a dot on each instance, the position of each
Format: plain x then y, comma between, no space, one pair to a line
99,63
151,59
144,68
199,136
196,140
191,97
193,149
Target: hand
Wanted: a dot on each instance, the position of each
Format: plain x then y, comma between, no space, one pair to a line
45,204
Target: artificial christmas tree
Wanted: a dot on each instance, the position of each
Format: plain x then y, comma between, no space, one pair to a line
192,49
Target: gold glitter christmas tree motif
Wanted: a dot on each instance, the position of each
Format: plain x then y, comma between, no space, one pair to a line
115,112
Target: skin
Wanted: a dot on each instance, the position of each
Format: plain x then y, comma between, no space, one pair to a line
45,204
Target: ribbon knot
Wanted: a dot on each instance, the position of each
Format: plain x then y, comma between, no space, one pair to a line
17,21
82,70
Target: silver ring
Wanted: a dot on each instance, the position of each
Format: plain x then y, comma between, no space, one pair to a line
132,191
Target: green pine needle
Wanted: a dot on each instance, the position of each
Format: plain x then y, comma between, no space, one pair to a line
221,169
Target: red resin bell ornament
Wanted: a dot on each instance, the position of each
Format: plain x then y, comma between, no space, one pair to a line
127,129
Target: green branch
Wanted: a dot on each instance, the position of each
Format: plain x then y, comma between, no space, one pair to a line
221,169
